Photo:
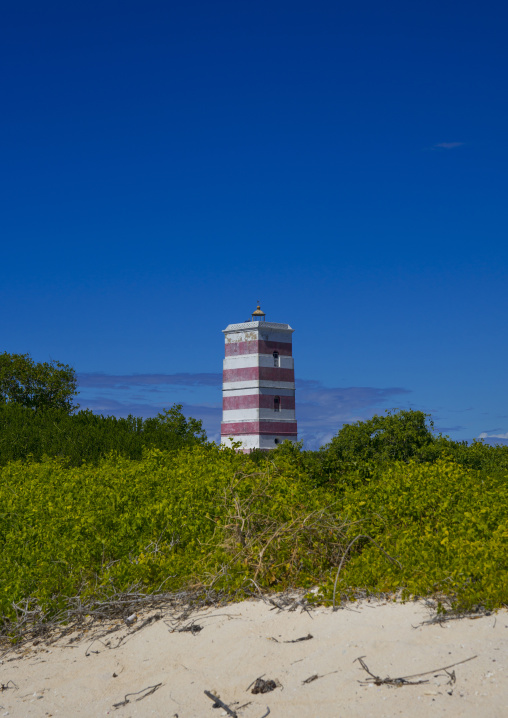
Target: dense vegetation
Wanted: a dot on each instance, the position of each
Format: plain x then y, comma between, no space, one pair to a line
93,505
86,437
426,522
40,418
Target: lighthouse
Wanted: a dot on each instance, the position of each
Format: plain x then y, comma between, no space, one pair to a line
258,385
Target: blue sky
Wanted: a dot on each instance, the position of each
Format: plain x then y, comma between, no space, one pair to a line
165,165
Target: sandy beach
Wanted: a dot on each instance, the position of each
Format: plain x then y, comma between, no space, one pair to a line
167,671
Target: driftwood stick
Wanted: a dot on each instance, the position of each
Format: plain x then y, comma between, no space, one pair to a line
297,640
221,704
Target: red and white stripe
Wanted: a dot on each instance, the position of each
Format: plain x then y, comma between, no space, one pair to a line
258,397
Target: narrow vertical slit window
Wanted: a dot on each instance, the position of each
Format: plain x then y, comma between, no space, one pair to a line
276,403
276,360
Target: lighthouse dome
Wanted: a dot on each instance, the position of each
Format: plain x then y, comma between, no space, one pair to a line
258,315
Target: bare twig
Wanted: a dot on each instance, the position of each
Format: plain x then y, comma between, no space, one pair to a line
303,638
310,679
440,618
387,681
406,680
452,677
88,651
5,686
100,613
218,702
191,627
147,622
295,640
149,690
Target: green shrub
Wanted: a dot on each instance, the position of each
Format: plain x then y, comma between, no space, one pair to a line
204,516
445,524
171,518
87,437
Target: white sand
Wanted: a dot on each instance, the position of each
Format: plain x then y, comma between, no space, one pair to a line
234,648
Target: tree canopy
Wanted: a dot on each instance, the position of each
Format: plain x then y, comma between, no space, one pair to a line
398,436
37,385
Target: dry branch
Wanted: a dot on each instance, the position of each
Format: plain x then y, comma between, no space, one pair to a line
406,680
101,614
440,618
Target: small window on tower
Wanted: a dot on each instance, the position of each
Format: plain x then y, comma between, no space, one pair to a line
276,403
276,360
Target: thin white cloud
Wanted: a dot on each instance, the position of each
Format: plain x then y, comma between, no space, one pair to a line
485,435
126,381
448,145
320,410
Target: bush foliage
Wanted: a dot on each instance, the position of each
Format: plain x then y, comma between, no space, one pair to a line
389,503
87,437
446,525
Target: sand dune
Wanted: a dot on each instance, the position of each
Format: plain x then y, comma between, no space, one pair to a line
240,642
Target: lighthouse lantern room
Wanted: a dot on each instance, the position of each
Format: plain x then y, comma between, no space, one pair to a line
258,405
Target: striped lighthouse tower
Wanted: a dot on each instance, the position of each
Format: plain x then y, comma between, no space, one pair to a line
258,406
